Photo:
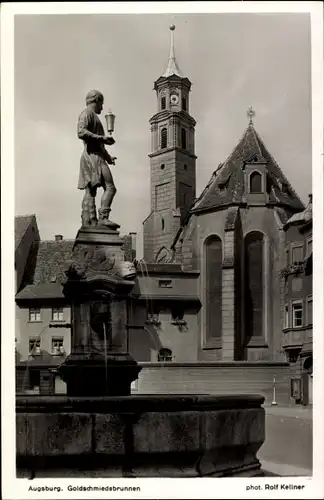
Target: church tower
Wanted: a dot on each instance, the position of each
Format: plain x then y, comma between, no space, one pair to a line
172,161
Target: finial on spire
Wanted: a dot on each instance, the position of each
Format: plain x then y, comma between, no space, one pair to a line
251,115
172,67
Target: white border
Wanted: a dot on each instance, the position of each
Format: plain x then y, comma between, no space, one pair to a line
166,488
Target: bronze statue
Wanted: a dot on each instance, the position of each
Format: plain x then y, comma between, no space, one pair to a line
95,161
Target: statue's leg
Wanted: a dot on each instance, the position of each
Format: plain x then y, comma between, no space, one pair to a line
108,194
89,213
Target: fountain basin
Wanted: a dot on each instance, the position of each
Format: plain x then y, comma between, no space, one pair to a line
139,436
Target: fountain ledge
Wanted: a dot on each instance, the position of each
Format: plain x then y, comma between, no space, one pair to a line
140,436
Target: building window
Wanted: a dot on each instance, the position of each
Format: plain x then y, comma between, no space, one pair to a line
57,346
256,182
34,380
162,166
286,319
57,314
164,138
310,310
165,355
213,273
185,167
297,312
184,104
183,138
163,103
297,254
177,316
309,247
34,347
162,224
34,315
254,284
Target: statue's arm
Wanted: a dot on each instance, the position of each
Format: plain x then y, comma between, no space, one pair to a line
84,133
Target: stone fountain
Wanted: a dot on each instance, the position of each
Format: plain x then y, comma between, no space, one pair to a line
99,429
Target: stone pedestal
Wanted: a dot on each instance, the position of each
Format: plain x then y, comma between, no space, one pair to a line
97,287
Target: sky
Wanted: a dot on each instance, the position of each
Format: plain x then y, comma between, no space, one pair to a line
233,61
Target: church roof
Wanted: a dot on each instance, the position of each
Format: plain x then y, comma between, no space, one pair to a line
172,67
226,185
22,222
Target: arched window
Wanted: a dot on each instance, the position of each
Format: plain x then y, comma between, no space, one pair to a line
164,138
254,289
213,273
183,138
256,182
165,354
163,103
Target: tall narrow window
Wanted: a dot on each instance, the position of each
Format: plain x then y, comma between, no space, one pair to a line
286,319
164,138
297,254
297,313
255,182
163,103
253,256
310,310
183,138
184,104
162,224
213,272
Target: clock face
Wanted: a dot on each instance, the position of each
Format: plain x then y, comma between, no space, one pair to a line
174,99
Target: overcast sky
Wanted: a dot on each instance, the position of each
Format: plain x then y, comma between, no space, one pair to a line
233,61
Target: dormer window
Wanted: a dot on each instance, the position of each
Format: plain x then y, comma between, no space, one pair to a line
256,182
284,188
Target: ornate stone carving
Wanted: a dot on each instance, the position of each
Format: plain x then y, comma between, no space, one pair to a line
87,262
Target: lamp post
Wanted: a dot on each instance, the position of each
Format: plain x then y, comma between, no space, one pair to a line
274,403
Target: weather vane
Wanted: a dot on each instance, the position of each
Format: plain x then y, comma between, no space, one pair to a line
251,114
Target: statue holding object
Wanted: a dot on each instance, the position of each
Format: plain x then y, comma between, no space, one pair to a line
95,160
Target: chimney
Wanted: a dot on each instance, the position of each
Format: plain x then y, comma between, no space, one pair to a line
58,237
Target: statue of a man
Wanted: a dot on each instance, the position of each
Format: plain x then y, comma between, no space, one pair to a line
95,161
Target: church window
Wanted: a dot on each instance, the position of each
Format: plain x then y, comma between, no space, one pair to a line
184,104
163,103
164,138
254,288
213,272
183,138
165,355
255,182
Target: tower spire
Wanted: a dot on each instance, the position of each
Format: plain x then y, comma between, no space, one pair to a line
172,67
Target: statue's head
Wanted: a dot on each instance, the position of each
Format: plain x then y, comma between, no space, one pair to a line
96,99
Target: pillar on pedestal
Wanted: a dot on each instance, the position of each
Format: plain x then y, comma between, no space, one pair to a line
97,286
